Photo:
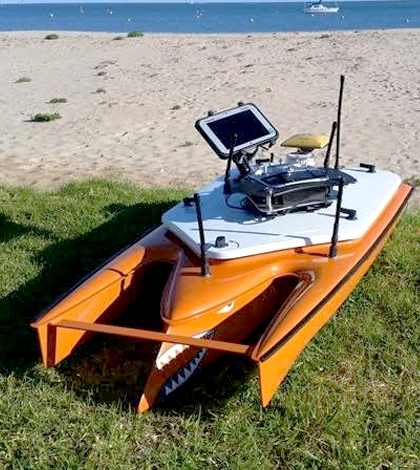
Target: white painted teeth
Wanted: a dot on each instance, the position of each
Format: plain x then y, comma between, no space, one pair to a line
201,335
184,374
170,354
165,358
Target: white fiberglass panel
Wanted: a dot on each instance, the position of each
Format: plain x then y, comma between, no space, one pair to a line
247,234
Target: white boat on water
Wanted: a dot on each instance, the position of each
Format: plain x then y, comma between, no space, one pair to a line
319,7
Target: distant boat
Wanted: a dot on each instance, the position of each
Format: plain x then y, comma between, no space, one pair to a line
319,7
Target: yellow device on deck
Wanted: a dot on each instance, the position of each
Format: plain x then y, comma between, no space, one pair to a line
307,141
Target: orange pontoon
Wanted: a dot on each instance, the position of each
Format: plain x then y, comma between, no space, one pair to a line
234,262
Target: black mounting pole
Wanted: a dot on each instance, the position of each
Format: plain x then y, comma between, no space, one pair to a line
228,186
205,269
327,155
340,100
334,238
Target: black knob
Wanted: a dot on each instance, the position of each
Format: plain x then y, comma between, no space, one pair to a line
188,201
220,242
369,168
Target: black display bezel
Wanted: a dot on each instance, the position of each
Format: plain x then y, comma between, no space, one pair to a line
203,126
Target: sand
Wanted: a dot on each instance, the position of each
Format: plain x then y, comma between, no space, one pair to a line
132,104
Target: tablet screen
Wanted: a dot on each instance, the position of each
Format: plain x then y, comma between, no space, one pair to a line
245,125
246,122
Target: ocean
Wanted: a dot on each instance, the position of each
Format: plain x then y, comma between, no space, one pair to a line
207,17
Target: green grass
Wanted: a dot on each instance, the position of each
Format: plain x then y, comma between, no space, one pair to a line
57,100
51,37
135,34
41,117
352,400
413,180
23,80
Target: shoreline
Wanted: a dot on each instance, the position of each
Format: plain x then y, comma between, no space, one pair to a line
206,34
132,104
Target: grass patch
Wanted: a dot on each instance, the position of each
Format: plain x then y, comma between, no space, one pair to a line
118,38
23,80
413,180
324,36
135,34
57,100
45,117
352,400
176,107
52,37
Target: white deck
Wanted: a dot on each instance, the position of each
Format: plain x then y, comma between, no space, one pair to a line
249,235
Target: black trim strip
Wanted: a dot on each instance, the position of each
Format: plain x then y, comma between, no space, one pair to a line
343,281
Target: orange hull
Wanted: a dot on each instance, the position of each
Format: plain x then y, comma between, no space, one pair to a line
284,296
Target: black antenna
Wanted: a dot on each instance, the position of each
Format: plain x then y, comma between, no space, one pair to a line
228,184
205,269
334,238
340,100
327,155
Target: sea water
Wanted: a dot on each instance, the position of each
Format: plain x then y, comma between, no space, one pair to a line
207,17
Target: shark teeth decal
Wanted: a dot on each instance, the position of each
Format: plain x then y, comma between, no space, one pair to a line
183,375
170,354
175,350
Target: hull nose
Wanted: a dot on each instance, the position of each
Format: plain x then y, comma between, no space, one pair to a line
173,366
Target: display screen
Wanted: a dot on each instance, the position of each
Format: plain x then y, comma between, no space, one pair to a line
245,125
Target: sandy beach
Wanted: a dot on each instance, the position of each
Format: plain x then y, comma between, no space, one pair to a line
132,103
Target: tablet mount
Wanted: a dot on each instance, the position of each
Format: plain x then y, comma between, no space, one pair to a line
271,188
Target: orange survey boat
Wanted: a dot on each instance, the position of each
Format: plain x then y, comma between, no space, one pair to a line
254,264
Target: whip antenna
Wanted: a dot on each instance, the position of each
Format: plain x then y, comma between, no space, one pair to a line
340,100
205,269
330,142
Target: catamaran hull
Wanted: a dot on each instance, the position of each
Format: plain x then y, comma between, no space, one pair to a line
266,307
